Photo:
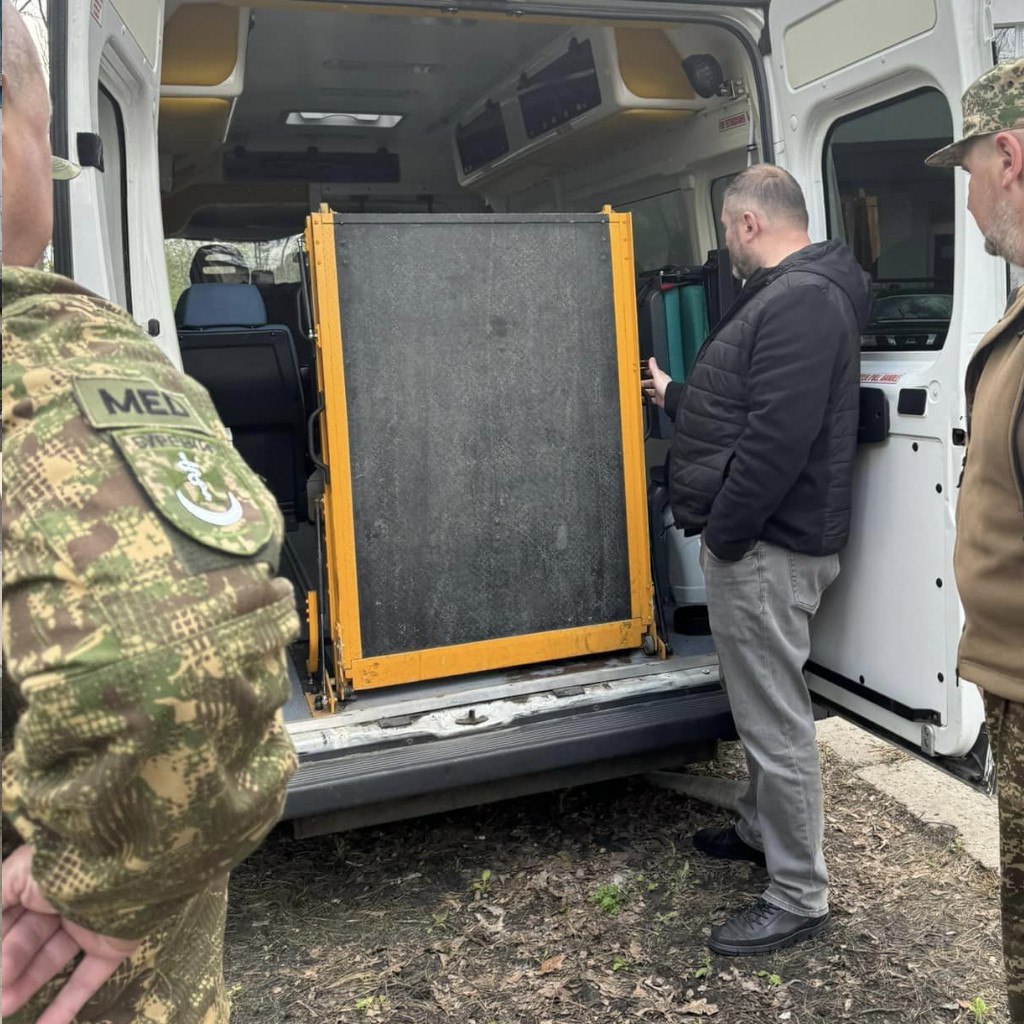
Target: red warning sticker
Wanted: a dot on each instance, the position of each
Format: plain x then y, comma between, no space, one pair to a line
734,121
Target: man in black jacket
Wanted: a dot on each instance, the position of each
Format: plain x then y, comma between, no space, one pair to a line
761,465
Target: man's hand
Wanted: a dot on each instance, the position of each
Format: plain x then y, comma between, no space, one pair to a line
38,943
654,386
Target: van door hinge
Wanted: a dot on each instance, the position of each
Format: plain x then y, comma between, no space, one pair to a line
928,740
959,437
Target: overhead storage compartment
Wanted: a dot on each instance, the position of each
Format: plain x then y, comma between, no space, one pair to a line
202,76
613,82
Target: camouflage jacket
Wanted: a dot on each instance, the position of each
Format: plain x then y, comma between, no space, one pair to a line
144,639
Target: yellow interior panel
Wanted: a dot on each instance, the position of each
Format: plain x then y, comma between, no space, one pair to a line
189,123
650,65
200,45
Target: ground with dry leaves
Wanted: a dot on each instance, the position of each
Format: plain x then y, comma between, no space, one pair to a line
592,906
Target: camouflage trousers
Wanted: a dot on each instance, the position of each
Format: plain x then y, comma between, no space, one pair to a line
1006,734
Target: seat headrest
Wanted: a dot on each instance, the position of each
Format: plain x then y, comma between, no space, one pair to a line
220,305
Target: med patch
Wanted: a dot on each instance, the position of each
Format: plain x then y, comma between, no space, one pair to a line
203,487
110,403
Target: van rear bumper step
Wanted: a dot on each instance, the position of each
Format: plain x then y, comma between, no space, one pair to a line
342,780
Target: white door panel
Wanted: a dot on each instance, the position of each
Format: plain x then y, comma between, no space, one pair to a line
858,102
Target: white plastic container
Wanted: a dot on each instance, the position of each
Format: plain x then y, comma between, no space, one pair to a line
686,578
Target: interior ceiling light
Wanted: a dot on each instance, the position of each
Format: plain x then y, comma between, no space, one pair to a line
381,66
334,119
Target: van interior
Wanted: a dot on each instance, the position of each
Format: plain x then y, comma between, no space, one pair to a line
267,113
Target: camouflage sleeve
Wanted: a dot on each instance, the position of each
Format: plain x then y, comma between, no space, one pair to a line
144,637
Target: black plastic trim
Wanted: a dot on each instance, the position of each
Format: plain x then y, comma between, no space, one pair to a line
860,690
575,736
63,260
874,423
970,768
912,401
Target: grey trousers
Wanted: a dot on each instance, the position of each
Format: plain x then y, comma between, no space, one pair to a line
760,609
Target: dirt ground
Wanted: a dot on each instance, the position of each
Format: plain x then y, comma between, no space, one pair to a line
591,905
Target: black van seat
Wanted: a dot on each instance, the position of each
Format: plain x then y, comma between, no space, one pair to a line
250,369
282,302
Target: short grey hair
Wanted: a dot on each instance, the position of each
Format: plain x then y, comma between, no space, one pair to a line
771,190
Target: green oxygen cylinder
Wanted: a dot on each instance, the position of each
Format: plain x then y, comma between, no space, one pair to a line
693,321
693,324
676,368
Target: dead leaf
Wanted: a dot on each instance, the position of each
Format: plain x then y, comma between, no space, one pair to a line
554,989
699,1008
553,963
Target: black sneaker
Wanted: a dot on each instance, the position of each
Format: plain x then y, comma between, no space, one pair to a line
763,928
726,844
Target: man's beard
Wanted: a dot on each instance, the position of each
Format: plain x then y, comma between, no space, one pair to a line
1005,234
743,264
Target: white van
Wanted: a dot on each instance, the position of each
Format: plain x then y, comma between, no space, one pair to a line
200,123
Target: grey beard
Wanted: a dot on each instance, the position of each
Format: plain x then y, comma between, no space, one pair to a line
1005,236
741,267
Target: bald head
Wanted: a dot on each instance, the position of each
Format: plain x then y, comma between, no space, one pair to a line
772,192
28,198
765,218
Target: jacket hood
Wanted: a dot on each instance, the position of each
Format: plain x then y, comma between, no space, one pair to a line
836,262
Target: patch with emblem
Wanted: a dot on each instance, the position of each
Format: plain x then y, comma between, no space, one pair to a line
124,402
203,486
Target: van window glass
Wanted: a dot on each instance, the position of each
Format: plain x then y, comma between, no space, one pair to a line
265,263
661,234
718,187
115,195
1008,44
896,215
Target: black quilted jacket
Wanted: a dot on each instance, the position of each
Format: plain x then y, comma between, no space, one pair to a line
766,423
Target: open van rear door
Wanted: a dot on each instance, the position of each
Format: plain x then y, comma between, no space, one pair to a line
105,86
863,90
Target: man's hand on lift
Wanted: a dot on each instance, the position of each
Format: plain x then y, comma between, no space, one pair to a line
38,943
653,386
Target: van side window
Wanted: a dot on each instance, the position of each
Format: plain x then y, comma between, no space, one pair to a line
1008,44
661,232
896,215
115,195
718,187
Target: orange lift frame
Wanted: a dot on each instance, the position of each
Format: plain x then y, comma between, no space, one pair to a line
361,672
